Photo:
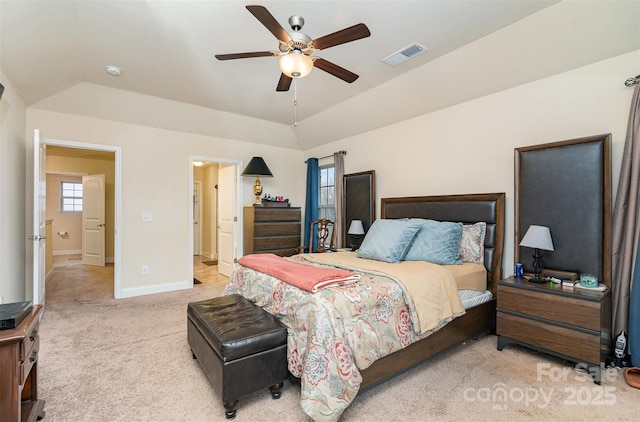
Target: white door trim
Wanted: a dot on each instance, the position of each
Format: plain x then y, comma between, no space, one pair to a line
238,240
117,241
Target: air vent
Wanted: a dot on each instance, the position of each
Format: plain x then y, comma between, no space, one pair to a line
405,54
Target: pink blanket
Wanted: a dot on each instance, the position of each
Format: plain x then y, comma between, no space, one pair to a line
303,276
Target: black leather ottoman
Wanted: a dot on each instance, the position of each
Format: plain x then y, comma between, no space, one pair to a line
241,347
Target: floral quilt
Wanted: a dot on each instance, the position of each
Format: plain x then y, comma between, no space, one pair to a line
334,332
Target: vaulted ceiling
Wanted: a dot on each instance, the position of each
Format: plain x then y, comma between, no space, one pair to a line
166,49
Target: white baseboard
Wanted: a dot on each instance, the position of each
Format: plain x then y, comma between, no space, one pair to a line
157,288
49,274
67,252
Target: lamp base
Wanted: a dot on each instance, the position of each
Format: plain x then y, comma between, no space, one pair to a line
537,280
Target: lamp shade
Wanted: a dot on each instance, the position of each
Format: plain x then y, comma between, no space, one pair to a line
296,64
356,227
257,167
537,237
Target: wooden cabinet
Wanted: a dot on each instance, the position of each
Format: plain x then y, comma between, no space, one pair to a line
19,374
571,323
272,230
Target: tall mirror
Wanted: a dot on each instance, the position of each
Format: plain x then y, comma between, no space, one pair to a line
359,203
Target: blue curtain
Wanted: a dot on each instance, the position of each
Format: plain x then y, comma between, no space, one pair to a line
311,204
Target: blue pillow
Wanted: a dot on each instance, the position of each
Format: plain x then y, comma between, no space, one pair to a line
437,242
388,240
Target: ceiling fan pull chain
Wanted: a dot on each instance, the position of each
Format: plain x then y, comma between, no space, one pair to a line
295,103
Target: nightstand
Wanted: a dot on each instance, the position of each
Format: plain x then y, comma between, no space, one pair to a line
568,322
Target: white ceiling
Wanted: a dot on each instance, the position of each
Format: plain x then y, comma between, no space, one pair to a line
166,49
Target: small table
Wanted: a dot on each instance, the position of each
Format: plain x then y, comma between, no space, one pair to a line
568,322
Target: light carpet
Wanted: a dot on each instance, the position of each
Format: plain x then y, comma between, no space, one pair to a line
103,359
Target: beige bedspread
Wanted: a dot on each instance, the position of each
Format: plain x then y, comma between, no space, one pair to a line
469,276
432,288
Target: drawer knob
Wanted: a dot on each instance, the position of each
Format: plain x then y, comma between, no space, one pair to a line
34,335
34,356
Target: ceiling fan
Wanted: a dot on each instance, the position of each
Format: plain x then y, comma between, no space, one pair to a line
296,48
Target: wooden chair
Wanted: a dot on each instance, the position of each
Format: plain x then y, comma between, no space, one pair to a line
322,230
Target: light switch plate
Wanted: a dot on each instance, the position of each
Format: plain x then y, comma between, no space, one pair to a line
147,217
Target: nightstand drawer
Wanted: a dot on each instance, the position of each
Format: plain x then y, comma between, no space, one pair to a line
27,343
29,361
572,311
578,344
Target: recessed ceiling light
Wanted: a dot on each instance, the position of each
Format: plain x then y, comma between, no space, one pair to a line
114,70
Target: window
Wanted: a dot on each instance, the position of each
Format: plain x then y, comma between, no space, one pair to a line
70,196
326,197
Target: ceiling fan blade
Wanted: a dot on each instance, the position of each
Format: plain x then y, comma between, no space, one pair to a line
335,70
262,14
352,33
284,83
245,55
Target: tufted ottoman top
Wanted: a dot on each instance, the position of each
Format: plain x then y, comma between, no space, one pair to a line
235,327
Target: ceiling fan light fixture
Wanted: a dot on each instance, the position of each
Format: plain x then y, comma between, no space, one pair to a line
296,64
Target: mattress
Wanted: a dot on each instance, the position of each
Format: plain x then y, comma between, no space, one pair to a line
471,298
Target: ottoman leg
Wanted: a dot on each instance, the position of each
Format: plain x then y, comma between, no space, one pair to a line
276,390
230,409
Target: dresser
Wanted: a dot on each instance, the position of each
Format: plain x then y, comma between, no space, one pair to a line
572,323
272,230
19,374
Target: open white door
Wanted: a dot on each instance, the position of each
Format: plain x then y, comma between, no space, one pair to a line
93,236
227,199
39,218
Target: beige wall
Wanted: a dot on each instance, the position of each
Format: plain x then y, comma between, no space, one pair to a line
156,170
208,177
13,287
469,148
75,165
209,198
69,222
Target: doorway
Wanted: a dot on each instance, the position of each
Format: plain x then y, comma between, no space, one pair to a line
214,185
69,161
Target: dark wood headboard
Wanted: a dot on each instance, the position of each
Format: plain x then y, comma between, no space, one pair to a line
467,209
566,186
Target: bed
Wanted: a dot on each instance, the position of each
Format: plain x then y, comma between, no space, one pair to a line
347,339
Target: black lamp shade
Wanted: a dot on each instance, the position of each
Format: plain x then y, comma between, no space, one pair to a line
257,167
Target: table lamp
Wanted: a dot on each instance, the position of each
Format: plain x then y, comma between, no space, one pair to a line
356,230
257,167
537,237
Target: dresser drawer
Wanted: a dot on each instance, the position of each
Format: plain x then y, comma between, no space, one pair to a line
568,310
277,228
277,214
276,242
578,344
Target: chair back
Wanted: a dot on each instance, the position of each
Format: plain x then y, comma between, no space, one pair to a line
323,233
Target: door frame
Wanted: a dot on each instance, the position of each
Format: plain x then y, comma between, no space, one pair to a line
236,236
117,241
199,216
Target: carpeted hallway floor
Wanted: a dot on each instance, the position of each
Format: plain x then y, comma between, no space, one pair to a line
103,359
